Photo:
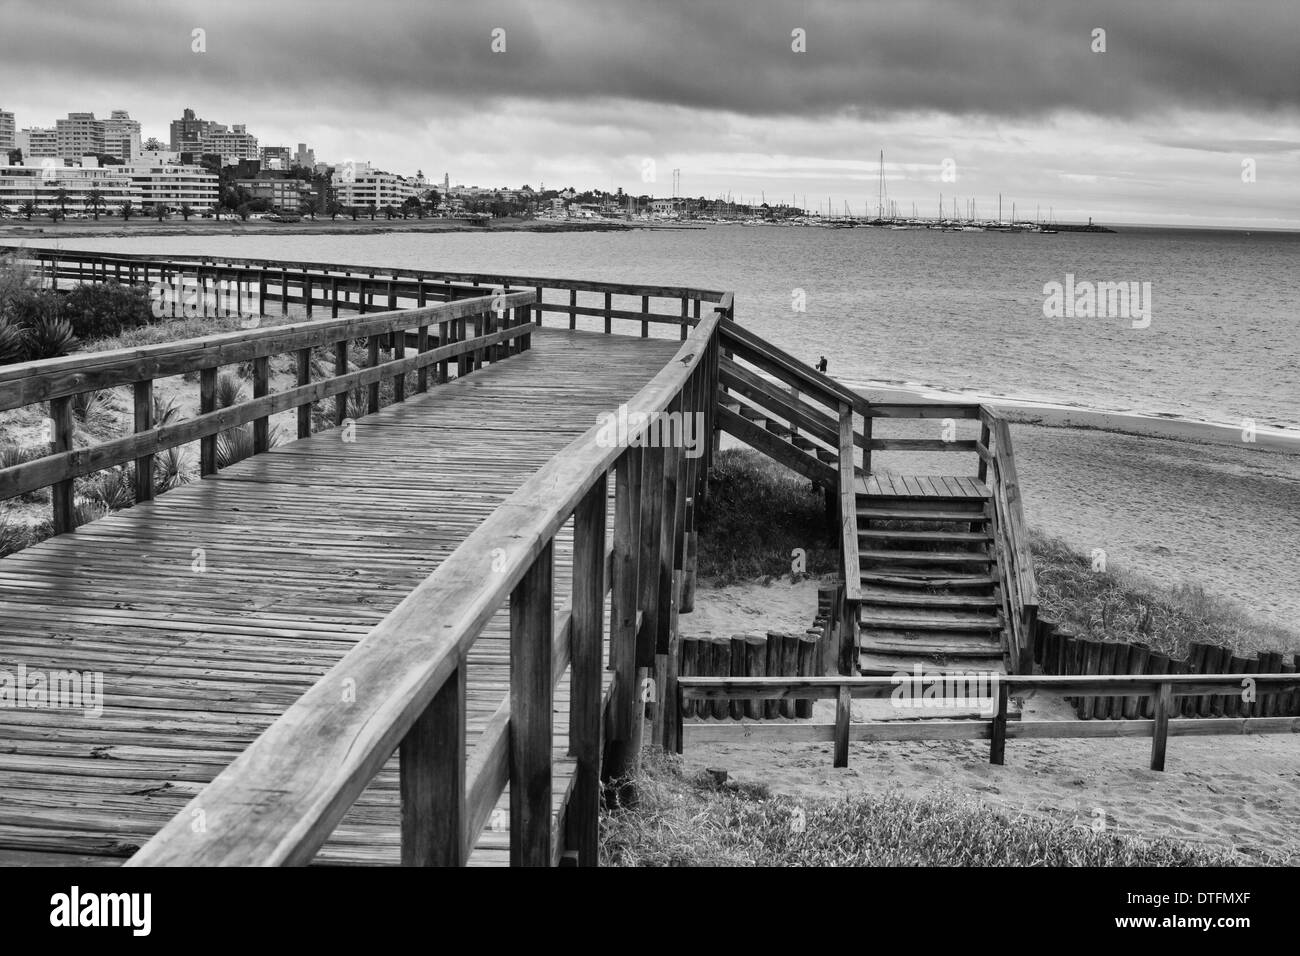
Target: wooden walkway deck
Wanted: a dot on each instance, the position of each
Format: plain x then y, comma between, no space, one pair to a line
305,549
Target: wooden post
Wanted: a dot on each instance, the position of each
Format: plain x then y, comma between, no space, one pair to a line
261,387
65,515
585,646
755,666
983,472
645,310
652,475
372,361
284,292
531,623
573,308
340,368
625,728
432,779
261,292
1160,730
143,422
304,378
608,319
399,352
843,712
306,291
686,326
334,297
207,403
998,731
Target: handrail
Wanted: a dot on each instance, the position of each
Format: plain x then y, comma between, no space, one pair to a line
849,508
281,798
501,328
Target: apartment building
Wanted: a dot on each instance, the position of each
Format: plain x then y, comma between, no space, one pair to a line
122,136
286,195
42,184
80,134
230,143
8,131
187,133
38,143
357,184
173,186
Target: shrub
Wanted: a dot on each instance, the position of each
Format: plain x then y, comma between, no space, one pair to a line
100,310
171,469
230,391
49,336
13,342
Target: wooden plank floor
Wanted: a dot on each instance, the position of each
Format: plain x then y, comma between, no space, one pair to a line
931,486
305,549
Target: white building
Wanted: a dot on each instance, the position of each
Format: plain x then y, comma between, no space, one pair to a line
8,132
42,184
79,135
357,184
172,185
38,143
122,136
231,144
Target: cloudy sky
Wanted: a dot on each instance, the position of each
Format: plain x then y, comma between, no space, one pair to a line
1155,129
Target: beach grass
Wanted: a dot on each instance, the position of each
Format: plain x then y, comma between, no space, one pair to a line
681,820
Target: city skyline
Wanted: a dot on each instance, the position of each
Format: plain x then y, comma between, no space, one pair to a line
775,100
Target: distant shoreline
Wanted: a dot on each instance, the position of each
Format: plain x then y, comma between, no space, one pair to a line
117,229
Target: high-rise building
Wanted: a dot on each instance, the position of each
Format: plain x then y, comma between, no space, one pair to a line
187,133
305,157
122,136
79,135
277,157
38,143
8,132
231,144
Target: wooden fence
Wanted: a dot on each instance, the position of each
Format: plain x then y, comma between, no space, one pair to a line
1059,652
1166,690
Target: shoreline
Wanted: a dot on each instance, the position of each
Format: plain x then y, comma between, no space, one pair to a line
1056,415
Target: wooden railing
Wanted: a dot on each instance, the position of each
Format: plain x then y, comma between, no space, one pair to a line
278,802
463,334
356,287
1015,562
995,727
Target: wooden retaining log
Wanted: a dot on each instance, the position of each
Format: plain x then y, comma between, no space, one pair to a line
1156,664
721,654
755,666
1089,664
789,645
772,708
688,666
1194,664
737,707
1105,665
807,667
1139,658
1270,662
1291,700
1217,660
1232,704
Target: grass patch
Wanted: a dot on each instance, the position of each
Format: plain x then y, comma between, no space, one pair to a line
1115,605
756,514
690,821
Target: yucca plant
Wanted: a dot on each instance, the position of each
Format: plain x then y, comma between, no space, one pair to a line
171,469
230,390
49,336
234,445
165,412
93,410
14,534
109,490
13,343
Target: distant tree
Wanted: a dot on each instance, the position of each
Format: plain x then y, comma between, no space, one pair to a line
186,211
243,211
352,211
371,207
127,209
216,211
390,212
333,208
153,143
57,214
15,157
160,211
432,199
28,209
311,205
95,200
412,205
108,159
61,197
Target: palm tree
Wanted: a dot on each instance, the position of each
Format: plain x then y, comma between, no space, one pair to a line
127,209
333,208
186,211
95,200
310,205
372,212
160,211
61,197
28,209
216,211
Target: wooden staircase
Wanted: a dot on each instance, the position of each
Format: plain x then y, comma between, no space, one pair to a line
929,583
937,570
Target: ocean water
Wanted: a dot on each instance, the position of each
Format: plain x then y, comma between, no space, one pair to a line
957,311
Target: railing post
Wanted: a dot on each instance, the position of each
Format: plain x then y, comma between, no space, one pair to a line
261,388
372,361
143,422
843,713
65,515
627,713
985,434
340,368
306,291
531,623
609,298
432,779
585,645
304,378
1160,727
207,403
573,308
998,730
665,635
284,292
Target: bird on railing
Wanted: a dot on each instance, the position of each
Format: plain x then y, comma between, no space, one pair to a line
686,359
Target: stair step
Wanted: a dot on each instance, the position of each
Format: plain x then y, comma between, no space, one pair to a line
923,620
753,414
827,456
878,596
924,643
926,579
776,428
888,534
799,441
926,557
872,662
921,514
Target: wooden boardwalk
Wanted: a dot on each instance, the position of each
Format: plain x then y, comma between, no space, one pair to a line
304,550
